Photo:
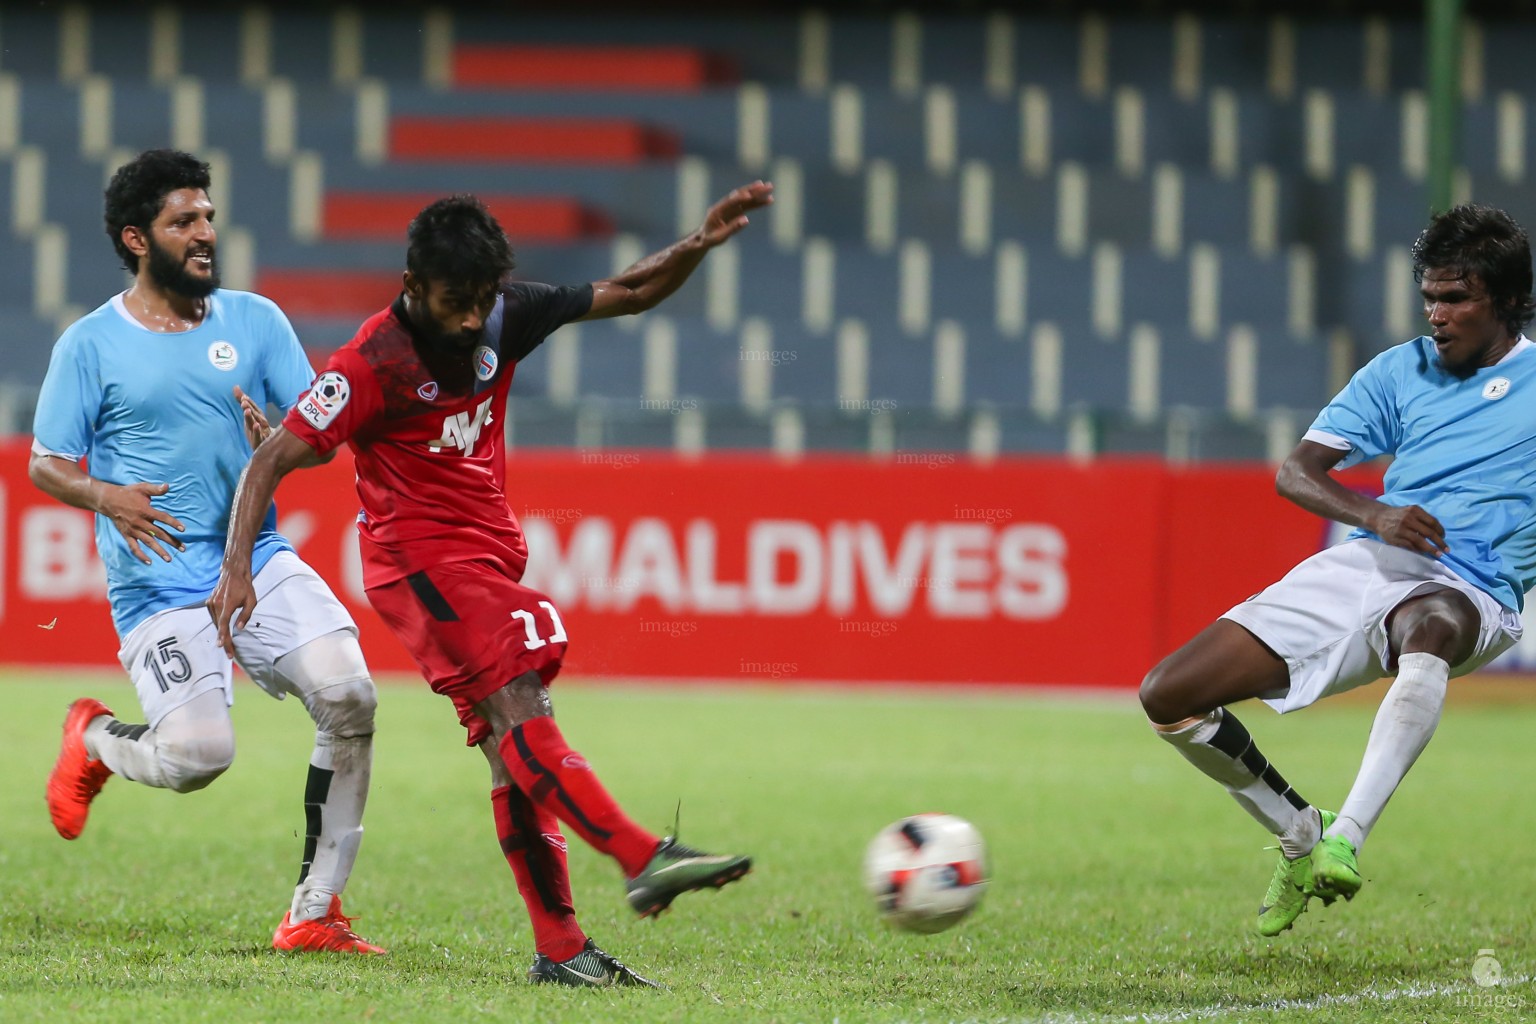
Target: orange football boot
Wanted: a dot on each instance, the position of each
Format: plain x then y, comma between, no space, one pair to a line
76,777
332,933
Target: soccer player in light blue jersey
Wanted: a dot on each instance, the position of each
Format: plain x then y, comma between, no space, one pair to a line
1430,583
147,415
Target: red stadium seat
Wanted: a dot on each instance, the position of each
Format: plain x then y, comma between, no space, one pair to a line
383,216
329,293
651,68
528,140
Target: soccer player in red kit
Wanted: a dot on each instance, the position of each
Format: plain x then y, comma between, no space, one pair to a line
420,394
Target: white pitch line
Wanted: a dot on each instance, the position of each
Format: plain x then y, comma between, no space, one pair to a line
1366,996
1369,995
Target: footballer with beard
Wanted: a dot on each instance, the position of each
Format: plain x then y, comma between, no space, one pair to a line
149,411
420,395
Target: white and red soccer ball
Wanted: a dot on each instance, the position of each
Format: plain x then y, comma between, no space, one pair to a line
926,872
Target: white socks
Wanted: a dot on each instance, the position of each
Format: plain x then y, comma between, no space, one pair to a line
1404,723
1219,745
334,796
131,751
1305,831
329,675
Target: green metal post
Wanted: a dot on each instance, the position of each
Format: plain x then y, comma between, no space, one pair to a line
1442,20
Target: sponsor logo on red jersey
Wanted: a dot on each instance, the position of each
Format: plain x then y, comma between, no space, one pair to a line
461,430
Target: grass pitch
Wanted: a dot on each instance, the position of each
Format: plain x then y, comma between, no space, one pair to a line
1123,885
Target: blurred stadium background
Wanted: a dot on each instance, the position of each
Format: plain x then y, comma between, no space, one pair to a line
1046,291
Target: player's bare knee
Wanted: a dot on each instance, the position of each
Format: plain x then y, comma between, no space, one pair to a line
1444,624
1438,634
529,697
527,684
1431,627
191,763
344,707
1158,696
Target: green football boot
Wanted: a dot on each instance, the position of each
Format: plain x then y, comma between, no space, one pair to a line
1335,871
1289,890
675,869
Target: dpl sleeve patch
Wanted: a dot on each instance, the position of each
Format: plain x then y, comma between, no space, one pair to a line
326,399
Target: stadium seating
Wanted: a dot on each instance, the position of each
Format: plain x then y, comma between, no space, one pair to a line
994,232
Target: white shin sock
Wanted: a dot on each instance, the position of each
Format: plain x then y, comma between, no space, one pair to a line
131,751
330,677
334,796
1219,745
1404,723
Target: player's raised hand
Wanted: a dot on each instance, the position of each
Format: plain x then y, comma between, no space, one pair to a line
231,604
129,508
256,426
729,215
1409,526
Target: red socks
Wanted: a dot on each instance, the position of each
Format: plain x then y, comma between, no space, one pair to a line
559,780
531,841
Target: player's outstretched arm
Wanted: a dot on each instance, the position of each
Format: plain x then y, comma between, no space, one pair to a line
645,284
127,505
1305,479
234,597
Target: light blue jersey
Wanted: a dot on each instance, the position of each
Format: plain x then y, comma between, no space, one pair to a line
1464,450
146,407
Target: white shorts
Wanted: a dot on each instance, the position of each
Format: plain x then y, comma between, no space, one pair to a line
1328,617
174,655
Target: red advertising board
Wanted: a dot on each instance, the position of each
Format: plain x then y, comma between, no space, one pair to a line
747,568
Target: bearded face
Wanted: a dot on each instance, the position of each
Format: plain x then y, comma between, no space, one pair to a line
188,269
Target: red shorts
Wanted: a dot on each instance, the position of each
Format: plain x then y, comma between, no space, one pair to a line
472,629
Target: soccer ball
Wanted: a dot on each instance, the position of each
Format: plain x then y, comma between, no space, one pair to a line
926,872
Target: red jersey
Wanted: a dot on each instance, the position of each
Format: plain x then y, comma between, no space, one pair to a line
425,423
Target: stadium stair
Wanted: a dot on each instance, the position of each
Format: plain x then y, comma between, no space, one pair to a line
1161,234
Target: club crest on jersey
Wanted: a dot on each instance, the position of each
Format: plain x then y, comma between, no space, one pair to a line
1496,389
428,391
485,363
326,399
223,355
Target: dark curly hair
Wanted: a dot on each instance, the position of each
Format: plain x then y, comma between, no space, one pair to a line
457,240
1486,243
138,189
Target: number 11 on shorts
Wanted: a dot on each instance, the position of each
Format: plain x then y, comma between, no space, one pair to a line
531,628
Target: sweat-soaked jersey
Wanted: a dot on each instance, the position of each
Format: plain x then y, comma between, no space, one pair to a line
425,423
